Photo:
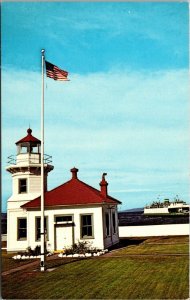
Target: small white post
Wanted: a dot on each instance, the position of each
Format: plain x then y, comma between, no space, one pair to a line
42,234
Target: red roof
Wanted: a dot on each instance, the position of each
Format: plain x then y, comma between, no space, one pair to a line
29,138
73,192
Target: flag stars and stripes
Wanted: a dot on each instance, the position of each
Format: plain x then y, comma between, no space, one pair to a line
55,73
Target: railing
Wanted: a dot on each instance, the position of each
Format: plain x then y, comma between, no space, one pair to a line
13,159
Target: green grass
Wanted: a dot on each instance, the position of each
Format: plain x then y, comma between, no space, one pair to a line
156,249
121,277
168,240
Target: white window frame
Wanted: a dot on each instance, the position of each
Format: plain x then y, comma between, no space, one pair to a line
45,229
19,228
19,186
64,222
84,237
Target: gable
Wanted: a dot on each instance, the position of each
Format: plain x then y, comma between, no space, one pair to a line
73,192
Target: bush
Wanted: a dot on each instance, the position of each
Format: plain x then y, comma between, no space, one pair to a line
79,248
37,250
33,252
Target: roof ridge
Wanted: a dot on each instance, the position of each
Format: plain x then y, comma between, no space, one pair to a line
59,186
87,185
91,187
73,187
98,191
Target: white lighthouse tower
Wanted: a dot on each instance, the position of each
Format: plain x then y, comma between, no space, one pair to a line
25,168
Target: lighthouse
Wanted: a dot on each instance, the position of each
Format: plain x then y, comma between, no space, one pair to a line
25,168
74,211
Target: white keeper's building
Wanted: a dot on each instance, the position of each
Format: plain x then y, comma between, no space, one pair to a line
74,211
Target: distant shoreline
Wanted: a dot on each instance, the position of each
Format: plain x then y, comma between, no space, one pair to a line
137,218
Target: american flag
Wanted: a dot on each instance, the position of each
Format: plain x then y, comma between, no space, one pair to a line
56,73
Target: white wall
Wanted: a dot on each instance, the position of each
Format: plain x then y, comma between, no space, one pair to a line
33,184
15,245
99,240
30,158
154,230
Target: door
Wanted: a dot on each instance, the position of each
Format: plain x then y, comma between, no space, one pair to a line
64,237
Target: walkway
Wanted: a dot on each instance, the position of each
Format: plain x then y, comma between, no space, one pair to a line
28,265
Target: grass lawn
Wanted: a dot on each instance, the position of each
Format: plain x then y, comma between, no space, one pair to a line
118,276
169,245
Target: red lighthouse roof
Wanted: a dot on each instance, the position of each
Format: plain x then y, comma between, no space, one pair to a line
29,138
73,192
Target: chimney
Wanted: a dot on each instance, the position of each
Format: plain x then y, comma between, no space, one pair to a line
103,185
74,173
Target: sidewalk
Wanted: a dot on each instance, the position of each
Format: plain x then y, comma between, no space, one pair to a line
29,265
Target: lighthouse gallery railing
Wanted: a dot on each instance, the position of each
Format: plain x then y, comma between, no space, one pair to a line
13,159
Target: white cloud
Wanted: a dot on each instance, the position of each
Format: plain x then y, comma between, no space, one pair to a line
122,122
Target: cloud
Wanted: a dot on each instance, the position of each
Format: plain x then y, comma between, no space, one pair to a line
133,125
157,99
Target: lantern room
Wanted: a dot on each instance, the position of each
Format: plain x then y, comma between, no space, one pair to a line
25,166
28,144
28,149
28,152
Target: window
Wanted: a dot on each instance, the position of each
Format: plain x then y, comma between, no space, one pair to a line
63,219
114,222
23,149
38,228
34,148
22,229
86,226
107,225
22,186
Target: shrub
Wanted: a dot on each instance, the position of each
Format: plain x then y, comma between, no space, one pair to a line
37,250
33,252
79,248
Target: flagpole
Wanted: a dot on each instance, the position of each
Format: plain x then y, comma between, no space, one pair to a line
42,234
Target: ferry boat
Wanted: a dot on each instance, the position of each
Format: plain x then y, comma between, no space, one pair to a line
167,207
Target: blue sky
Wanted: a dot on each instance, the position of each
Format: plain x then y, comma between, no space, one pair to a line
125,110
